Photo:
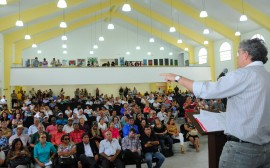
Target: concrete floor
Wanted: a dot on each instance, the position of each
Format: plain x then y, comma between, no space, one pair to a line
191,159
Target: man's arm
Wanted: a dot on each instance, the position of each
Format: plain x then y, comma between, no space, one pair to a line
187,83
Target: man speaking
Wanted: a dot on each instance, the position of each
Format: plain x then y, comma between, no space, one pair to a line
248,106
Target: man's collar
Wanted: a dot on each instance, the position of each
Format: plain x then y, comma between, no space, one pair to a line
255,63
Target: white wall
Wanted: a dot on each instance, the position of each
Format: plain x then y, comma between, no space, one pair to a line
116,43
266,35
1,63
101,75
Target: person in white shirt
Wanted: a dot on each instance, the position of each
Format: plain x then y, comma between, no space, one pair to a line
68,127
162,114
110,150
248,110
33,128
19,134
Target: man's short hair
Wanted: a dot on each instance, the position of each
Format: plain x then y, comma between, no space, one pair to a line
132,130
256,49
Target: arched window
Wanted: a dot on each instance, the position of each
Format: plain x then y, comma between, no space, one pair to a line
202,56
259,36
225,52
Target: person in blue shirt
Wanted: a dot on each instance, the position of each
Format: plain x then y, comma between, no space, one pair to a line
130,125
61,120
42,152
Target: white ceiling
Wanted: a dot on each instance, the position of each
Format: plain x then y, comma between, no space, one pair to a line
216,9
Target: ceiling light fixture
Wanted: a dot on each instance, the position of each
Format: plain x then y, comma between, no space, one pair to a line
63,24
151,40
64,52
237,33
126,7
170,53
172,28
62,4
19,22
3,2
203,13
149,53
101,38
186,49
161,48
243,17
138,47
206,31
127,53
179,41
27,36
64,38
34,45
64,46
110,25
205,42
95,46
39,51
91,52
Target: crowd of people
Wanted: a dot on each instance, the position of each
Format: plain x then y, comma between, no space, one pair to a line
49,129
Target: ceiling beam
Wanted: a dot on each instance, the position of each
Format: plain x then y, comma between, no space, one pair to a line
54,23
33,14
157,33
211,23
167,22
39,38
252,13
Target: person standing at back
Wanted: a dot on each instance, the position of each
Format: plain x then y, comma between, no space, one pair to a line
248,109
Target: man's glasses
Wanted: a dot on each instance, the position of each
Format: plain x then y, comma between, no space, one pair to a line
66,139
42,137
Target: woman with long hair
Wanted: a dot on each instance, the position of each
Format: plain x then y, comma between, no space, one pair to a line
18,155
174,133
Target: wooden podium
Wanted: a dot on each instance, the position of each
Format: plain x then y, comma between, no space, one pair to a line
216,141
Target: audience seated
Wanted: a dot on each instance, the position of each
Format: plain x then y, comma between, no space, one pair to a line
18,155
150,142
38,110
87,152
132,149
66,152
192,134
76,134
110,150
56,137
42,153
130,125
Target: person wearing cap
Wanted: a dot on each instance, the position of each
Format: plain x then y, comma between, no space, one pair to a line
19,134
68,127
35,137
130,125
46,121
61,120
56,138
76,134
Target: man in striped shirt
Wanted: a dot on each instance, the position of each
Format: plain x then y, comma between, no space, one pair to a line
248,108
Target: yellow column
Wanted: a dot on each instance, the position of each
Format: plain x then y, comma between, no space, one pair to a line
7,66
211,60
